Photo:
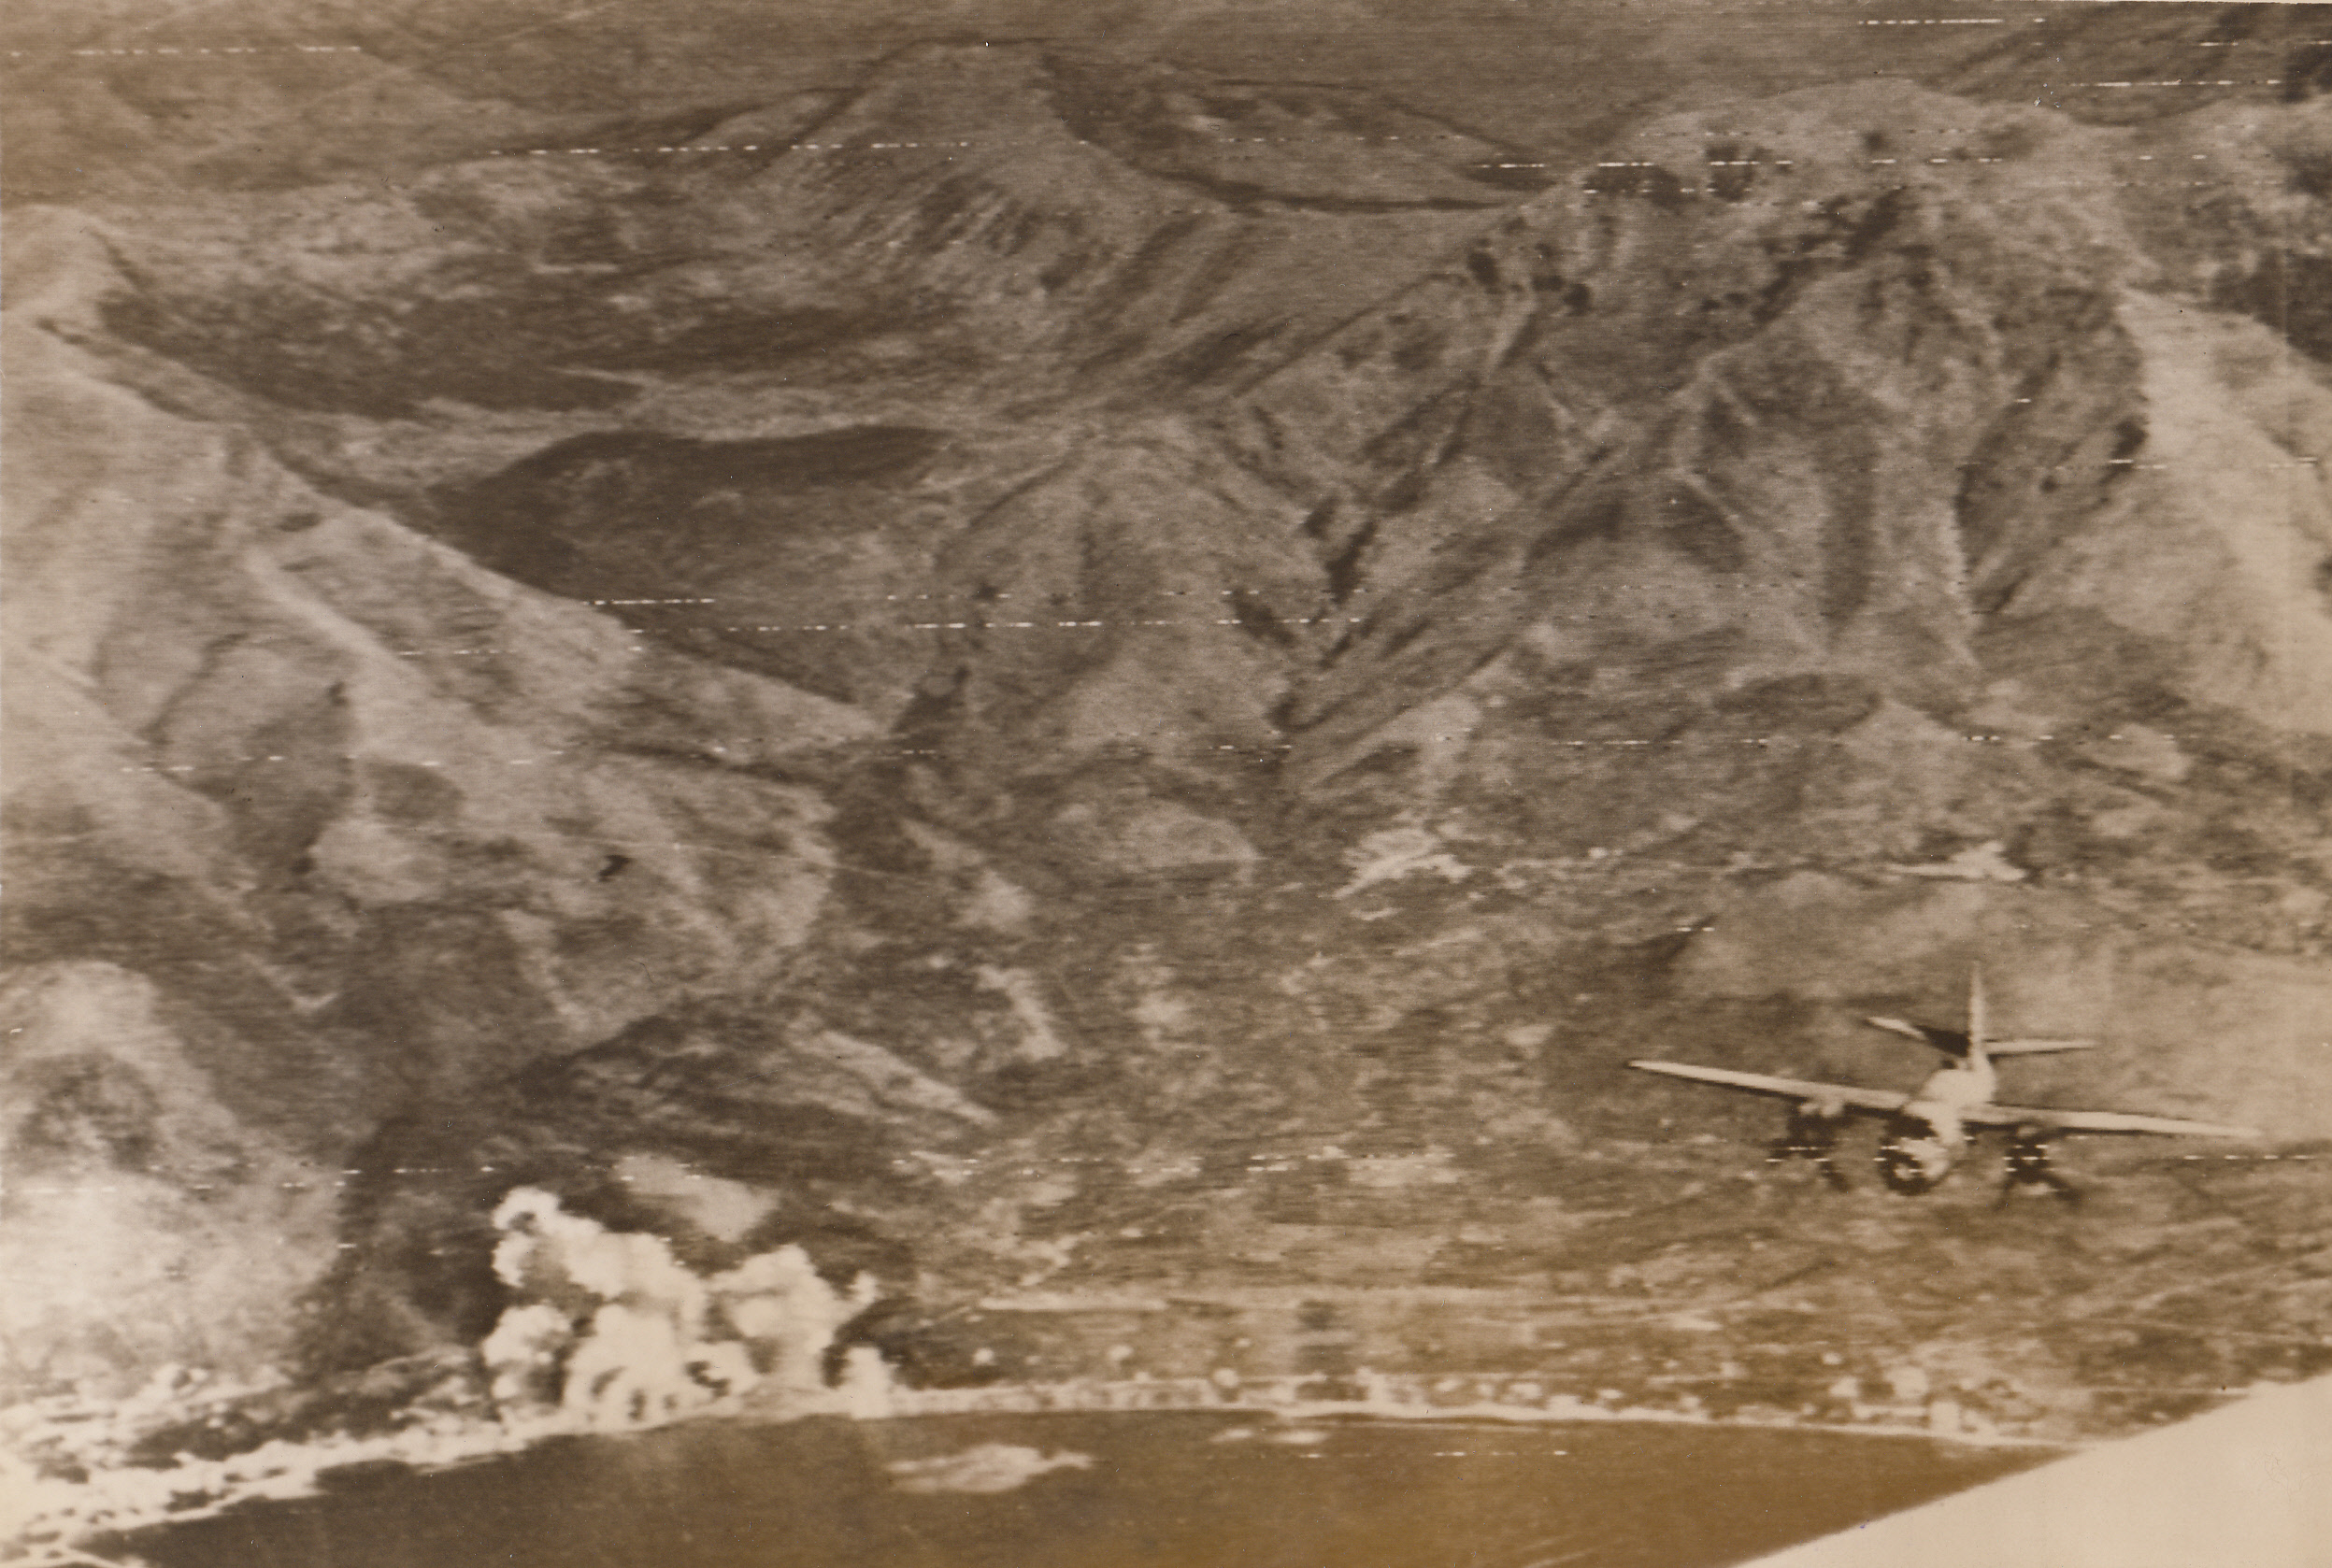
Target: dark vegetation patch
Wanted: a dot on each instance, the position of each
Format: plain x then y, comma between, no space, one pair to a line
1223,355
1812,703
739,338
305,351
2306,73
1512,427
493,326
1733,169
2289,292
1704,533
1646,182
1290,144
736,1095
84,1108
637,515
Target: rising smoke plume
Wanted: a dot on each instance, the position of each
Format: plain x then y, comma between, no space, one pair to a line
609,1328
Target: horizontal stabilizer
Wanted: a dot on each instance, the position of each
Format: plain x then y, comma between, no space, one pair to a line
2034,1047
1948,1041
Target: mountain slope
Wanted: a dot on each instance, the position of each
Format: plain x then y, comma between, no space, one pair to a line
979,658
352,826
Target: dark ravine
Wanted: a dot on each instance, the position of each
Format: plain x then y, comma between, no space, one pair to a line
1038,698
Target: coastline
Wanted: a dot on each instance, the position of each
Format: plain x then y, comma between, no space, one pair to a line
46,1521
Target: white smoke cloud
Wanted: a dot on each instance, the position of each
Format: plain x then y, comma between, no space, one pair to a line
778,1300
612,1330
525,1353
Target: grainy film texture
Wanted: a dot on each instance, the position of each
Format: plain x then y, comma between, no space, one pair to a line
848,783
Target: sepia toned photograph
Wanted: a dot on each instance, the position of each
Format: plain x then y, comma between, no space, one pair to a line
1165,784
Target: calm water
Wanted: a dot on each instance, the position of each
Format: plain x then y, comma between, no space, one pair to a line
1162,1491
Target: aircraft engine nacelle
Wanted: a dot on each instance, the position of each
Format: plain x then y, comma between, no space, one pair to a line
1914,1155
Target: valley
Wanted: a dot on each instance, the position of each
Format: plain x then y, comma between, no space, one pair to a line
1029,670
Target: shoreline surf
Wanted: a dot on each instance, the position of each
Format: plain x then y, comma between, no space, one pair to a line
56,1517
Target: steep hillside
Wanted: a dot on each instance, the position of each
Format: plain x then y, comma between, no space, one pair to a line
974,659
348,826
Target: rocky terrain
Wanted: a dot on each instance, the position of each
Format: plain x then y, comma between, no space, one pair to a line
1028,667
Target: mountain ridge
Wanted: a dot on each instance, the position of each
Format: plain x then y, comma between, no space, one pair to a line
983,694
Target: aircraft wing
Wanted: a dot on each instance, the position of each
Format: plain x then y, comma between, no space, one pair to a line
1879,1100
2098,1121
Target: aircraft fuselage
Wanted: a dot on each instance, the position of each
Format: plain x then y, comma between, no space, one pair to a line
1929,1133
1954,1088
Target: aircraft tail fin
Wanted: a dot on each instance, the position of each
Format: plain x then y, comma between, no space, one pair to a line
1973,1046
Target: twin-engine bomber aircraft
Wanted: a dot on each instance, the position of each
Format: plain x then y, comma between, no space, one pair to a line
1929,1129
